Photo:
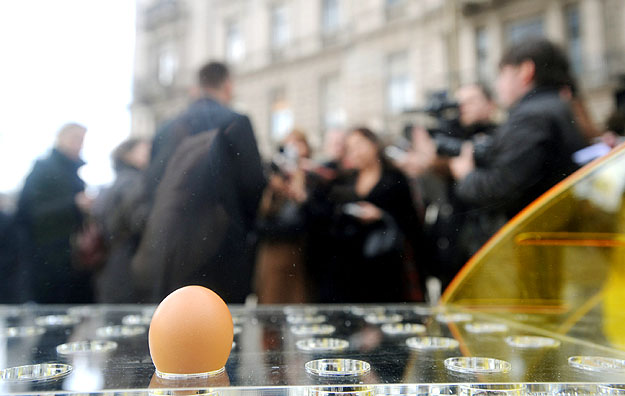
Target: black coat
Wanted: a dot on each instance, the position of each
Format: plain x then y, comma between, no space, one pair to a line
360,262
198,231
10,285
48,216
531,152
113,213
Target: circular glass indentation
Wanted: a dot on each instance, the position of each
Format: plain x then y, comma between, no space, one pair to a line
383,318
477,365
208,374
322,344
178,392
403,328
24,331
532,342
413,390
341,390
306,319
85,311
86,347
492,389
300,310
237,330
57,320
337,367
560,389
311,330
485,328
120,331
35,372
454,317
362,311
136,320
431,343
425,310
597,364
612,389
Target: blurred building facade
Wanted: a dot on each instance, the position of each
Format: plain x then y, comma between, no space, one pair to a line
318,64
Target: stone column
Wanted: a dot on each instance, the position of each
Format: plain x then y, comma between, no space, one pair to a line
593,41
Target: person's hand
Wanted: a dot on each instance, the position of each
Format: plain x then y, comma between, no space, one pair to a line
83,201
610,138
463,164
422,156
297,186
423,143
369,213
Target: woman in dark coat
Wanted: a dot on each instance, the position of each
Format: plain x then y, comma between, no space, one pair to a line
374,234
113,213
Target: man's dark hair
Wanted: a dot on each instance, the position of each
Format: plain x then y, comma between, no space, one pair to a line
551,64
120,152
616,122
213,75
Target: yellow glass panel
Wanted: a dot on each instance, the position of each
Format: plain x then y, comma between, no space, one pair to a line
560,264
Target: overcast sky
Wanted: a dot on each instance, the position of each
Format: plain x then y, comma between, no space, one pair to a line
62,61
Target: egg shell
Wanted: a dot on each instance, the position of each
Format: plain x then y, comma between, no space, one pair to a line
191,332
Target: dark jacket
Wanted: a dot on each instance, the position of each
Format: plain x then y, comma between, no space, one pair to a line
113,214
48,215
360,262
12,274
198,231
203,115
531,152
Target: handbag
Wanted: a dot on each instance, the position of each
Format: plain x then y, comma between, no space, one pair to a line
89,247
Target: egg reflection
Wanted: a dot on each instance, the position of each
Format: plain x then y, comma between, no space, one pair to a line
191,333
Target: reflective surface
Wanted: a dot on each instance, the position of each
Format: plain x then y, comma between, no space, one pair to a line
268,354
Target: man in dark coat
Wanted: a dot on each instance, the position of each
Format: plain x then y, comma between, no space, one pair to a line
532,150
50,212
207,180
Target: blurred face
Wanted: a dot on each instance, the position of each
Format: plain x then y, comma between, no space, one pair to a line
228,91
139,156
300,147
334,144
360,152
513,82
474,106
70,143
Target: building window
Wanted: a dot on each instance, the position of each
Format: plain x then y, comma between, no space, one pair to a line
281,116
332,114
330,16
574,38
235,45
481,55
400,90
524,28
167,66
279,27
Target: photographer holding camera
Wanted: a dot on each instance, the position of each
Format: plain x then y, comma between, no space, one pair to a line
469,118
532,150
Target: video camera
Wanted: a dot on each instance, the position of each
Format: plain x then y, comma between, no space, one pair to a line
447,132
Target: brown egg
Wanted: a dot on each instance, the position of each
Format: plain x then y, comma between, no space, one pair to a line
191,332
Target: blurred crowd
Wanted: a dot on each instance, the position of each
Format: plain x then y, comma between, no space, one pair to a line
361,221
